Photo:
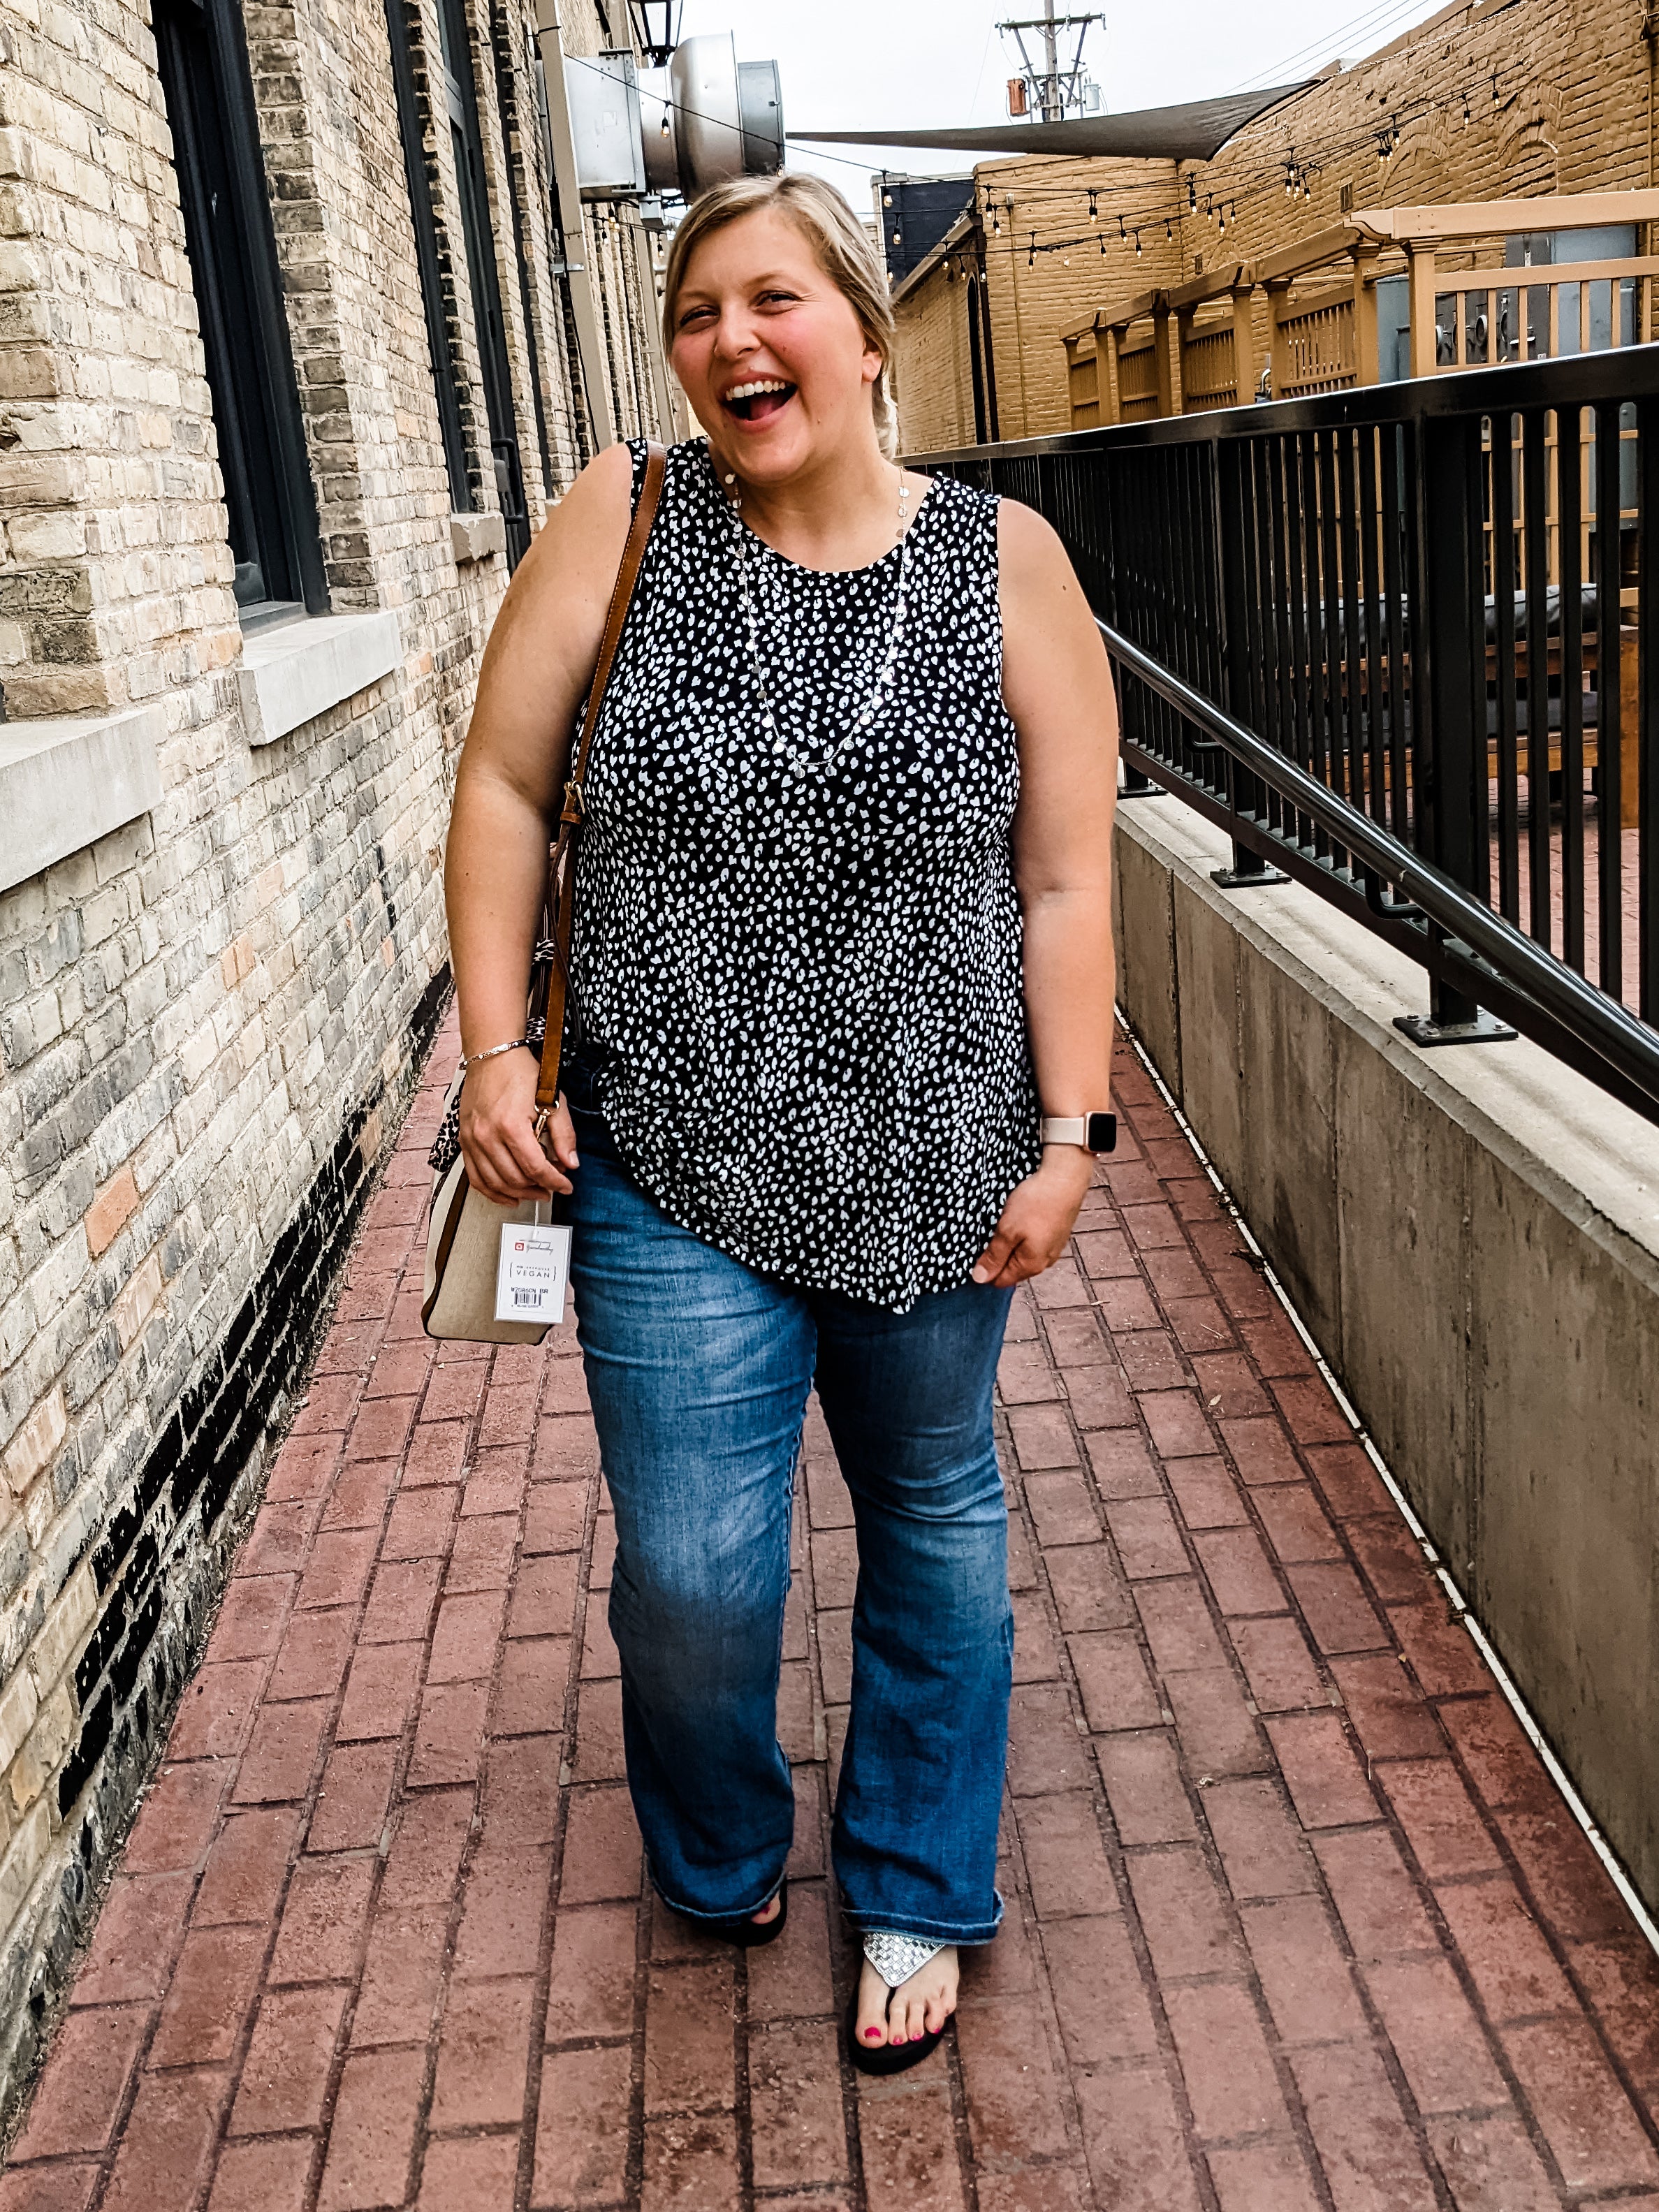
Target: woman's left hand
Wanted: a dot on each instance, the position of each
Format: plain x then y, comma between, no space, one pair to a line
1037,1218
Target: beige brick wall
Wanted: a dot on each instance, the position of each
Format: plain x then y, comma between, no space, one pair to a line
207,1017
1573,114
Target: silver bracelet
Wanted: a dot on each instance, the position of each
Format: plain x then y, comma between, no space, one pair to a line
513,1044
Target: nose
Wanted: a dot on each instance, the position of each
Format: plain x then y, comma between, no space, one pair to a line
734,337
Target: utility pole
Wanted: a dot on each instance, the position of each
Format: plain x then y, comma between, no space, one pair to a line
1051,107
1054,88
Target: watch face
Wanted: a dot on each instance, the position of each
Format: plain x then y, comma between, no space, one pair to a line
1102,1136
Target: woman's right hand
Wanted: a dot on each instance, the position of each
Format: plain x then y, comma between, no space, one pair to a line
504,1161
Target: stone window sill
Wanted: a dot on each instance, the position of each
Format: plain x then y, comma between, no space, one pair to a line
64,784
294,672
476,537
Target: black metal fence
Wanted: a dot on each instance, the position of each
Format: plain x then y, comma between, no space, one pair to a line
1435,600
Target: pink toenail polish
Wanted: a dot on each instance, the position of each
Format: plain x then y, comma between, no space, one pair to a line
873,2035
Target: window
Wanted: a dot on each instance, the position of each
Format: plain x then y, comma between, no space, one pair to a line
238,286
460,96
426,255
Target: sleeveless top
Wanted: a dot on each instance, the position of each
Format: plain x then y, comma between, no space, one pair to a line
799,994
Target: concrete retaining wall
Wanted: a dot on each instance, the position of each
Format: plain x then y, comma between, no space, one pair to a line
1472,1236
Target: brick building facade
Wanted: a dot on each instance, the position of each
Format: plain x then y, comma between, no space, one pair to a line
1489,98
243,597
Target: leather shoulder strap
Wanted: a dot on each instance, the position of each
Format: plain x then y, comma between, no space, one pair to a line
561,872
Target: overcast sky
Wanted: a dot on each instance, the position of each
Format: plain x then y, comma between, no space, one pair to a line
930,64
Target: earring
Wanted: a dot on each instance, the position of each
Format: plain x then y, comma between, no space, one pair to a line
731,479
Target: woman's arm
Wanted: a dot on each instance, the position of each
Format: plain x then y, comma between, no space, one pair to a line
1058,687
537,668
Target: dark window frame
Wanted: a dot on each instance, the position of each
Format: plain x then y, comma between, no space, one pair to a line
401,29
460,95
231,245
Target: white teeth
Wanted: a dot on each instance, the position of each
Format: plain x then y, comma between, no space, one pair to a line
751,390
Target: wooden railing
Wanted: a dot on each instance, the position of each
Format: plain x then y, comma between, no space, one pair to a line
1321,303
1209,374
1312,343
1137,382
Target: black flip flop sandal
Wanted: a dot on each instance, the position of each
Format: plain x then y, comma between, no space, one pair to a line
750,1935
887,2058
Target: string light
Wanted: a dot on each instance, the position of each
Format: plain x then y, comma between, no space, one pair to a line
1387,141
1137,245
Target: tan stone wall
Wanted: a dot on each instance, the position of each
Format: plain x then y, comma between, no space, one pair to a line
209,1017
1573,114
933,382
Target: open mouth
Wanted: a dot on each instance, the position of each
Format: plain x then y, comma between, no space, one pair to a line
756,401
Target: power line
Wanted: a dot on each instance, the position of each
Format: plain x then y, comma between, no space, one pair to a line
1374,20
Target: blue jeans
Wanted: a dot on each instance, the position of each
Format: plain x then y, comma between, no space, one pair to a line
699,1370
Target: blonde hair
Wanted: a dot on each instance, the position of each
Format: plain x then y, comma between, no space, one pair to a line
845,250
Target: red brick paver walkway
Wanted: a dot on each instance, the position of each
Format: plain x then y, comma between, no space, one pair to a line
1295,1916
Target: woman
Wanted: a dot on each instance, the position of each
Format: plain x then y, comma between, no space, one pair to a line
842,937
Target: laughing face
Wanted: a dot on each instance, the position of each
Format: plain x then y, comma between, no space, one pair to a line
772,355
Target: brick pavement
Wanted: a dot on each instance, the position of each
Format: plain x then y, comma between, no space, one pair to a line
1295,1916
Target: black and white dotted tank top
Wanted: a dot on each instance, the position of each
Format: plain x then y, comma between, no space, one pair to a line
798,970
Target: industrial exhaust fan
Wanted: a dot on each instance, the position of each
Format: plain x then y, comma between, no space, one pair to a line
701,119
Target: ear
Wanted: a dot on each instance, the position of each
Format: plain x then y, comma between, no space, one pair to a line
871,368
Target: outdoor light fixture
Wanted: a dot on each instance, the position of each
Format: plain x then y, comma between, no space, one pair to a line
1094,207
657,27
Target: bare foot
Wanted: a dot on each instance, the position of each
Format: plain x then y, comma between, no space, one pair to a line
767,1912
921,2005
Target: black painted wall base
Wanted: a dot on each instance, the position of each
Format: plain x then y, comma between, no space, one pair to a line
161,1560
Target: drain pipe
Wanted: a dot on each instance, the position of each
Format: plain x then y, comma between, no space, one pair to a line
570,206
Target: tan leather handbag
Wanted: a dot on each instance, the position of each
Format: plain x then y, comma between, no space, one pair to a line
463,1241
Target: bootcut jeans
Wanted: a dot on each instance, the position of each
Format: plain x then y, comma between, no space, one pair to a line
699,1370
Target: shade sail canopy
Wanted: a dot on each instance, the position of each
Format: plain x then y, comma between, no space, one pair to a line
1192,132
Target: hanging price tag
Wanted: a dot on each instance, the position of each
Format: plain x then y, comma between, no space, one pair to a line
532,1272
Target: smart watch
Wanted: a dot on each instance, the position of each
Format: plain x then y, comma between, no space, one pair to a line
1096,1133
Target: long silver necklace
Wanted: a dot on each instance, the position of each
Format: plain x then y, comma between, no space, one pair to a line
803,763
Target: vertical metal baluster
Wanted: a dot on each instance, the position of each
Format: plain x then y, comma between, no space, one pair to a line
1502,634
1371,601
1569,434
1352,634
1170,641
1609,709
1647,766
1535,480
1475,799
1332,624
1394,586
1295,456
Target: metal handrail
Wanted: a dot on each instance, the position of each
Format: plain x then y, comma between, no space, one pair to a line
1598,1022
